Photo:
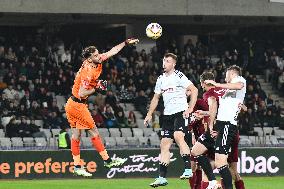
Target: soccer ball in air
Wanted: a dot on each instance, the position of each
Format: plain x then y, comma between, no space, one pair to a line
154,30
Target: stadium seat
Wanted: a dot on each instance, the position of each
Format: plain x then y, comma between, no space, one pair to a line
245,142
132,141
17,142
154,141
28,141
5,143
259,131
40,142
267,130
2,133
39,123
148,132
279,132
110,142
126,132
53,142
84,133
260,140
61,101
140,123
252,139
274,140
103,132
143,141
69,131
86,142
114,132
55,132
138,132
267,141
46,132
121,141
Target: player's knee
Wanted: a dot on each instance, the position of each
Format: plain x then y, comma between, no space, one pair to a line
179,137
76,135
93,132
194,152
220,160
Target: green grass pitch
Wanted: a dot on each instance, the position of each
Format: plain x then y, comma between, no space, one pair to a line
128,183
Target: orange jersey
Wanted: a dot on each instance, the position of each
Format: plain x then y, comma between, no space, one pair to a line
87,76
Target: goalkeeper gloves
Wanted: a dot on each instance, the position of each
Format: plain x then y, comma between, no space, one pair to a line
131,41
101,85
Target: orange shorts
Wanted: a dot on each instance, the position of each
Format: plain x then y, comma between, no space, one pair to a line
78,115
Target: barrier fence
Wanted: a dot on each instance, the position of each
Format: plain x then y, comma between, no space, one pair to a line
140,163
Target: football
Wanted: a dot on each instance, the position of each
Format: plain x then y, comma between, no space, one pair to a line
154,30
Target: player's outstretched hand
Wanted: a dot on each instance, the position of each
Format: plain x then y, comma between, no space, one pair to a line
147,119
187,112
131,41
102,85
210,82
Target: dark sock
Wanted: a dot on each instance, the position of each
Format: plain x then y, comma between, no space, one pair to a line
203,161
226,176
108,160
163,169
78,166
186,160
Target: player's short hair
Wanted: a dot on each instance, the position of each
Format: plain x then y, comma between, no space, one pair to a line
236,69
207,76
172,55
87,52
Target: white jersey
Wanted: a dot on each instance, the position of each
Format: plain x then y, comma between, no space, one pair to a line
229,103
173,89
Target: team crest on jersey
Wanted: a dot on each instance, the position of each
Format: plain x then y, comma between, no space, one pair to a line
230,93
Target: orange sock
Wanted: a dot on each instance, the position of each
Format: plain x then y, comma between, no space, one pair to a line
75,149
99,146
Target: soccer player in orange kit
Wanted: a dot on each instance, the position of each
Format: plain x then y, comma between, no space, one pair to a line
85,84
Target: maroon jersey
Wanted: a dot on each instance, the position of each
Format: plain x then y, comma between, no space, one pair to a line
216,92
197,125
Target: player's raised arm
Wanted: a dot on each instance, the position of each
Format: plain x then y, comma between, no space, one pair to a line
233,86
233,79
117,48
153,105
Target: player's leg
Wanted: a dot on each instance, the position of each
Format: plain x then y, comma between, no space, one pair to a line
164,162
239,184
204,143
75,149
73,116
205,180
226,134
192,180
198,175
75,145
99,146
184,152
233,162
180,131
